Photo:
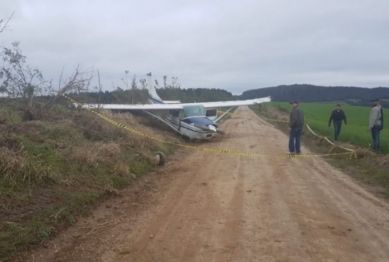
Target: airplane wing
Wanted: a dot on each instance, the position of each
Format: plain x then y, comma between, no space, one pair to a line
171,101
133,107
176,106
232,103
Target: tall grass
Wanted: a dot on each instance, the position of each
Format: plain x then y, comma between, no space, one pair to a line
355,132
57,167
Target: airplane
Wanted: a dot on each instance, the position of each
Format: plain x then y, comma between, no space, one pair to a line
196,121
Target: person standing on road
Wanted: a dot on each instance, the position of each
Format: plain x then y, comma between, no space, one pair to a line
296,123
337,116
376,123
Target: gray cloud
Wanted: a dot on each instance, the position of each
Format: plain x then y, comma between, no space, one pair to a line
234,45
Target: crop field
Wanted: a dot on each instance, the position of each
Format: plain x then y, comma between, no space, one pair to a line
355,132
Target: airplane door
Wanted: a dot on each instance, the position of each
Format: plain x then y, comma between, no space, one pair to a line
175,117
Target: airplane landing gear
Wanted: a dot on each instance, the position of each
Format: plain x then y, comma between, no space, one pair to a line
160,158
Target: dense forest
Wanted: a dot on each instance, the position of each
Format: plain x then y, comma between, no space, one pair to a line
312,93
140,96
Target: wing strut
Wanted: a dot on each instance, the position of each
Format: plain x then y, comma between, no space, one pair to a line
223,114
161,119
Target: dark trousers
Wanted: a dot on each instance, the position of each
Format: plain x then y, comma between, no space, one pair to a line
337,128
294,140
375,134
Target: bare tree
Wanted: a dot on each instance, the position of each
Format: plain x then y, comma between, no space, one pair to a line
78,81
134,85
143,83
4,23
20,79
134,88
164,81
125,79
174,83
98,75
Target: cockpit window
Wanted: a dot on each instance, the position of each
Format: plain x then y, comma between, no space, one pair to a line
211,112
175,113
197,110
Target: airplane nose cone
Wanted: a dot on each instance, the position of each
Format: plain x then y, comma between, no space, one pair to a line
213,128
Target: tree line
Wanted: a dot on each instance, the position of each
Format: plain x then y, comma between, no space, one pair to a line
311,93
140,95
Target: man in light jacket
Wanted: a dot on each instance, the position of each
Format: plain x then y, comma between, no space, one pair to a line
376,123
296,123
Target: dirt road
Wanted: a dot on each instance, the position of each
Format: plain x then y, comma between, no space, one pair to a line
210,207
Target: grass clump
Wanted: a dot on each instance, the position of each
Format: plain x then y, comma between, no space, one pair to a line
57,166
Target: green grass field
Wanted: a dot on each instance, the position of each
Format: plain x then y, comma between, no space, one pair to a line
355,132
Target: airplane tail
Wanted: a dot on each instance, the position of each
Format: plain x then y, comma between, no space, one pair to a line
153,96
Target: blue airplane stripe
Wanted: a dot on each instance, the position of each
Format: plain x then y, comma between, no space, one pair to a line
157,100
186,126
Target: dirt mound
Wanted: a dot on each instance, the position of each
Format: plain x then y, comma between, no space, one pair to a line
56,168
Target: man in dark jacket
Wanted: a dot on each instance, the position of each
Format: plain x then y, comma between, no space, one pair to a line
296,123
337,116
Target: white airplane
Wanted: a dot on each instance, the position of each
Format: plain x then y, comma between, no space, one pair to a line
192,120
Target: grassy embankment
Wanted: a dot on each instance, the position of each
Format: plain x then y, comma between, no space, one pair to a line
59,165
370,168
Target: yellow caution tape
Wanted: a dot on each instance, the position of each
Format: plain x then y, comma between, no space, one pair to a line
245,117
274,120
206,149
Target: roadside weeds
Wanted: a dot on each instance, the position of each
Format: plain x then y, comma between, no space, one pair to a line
57,167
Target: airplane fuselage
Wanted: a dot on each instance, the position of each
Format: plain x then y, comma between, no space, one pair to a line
200,127
191,122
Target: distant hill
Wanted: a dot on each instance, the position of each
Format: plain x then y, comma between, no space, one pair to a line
312,93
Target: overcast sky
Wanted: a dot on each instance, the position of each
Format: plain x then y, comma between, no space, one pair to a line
232,45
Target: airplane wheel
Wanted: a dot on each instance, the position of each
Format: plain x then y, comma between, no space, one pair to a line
160,158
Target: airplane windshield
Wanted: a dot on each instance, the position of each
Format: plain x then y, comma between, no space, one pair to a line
197,110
